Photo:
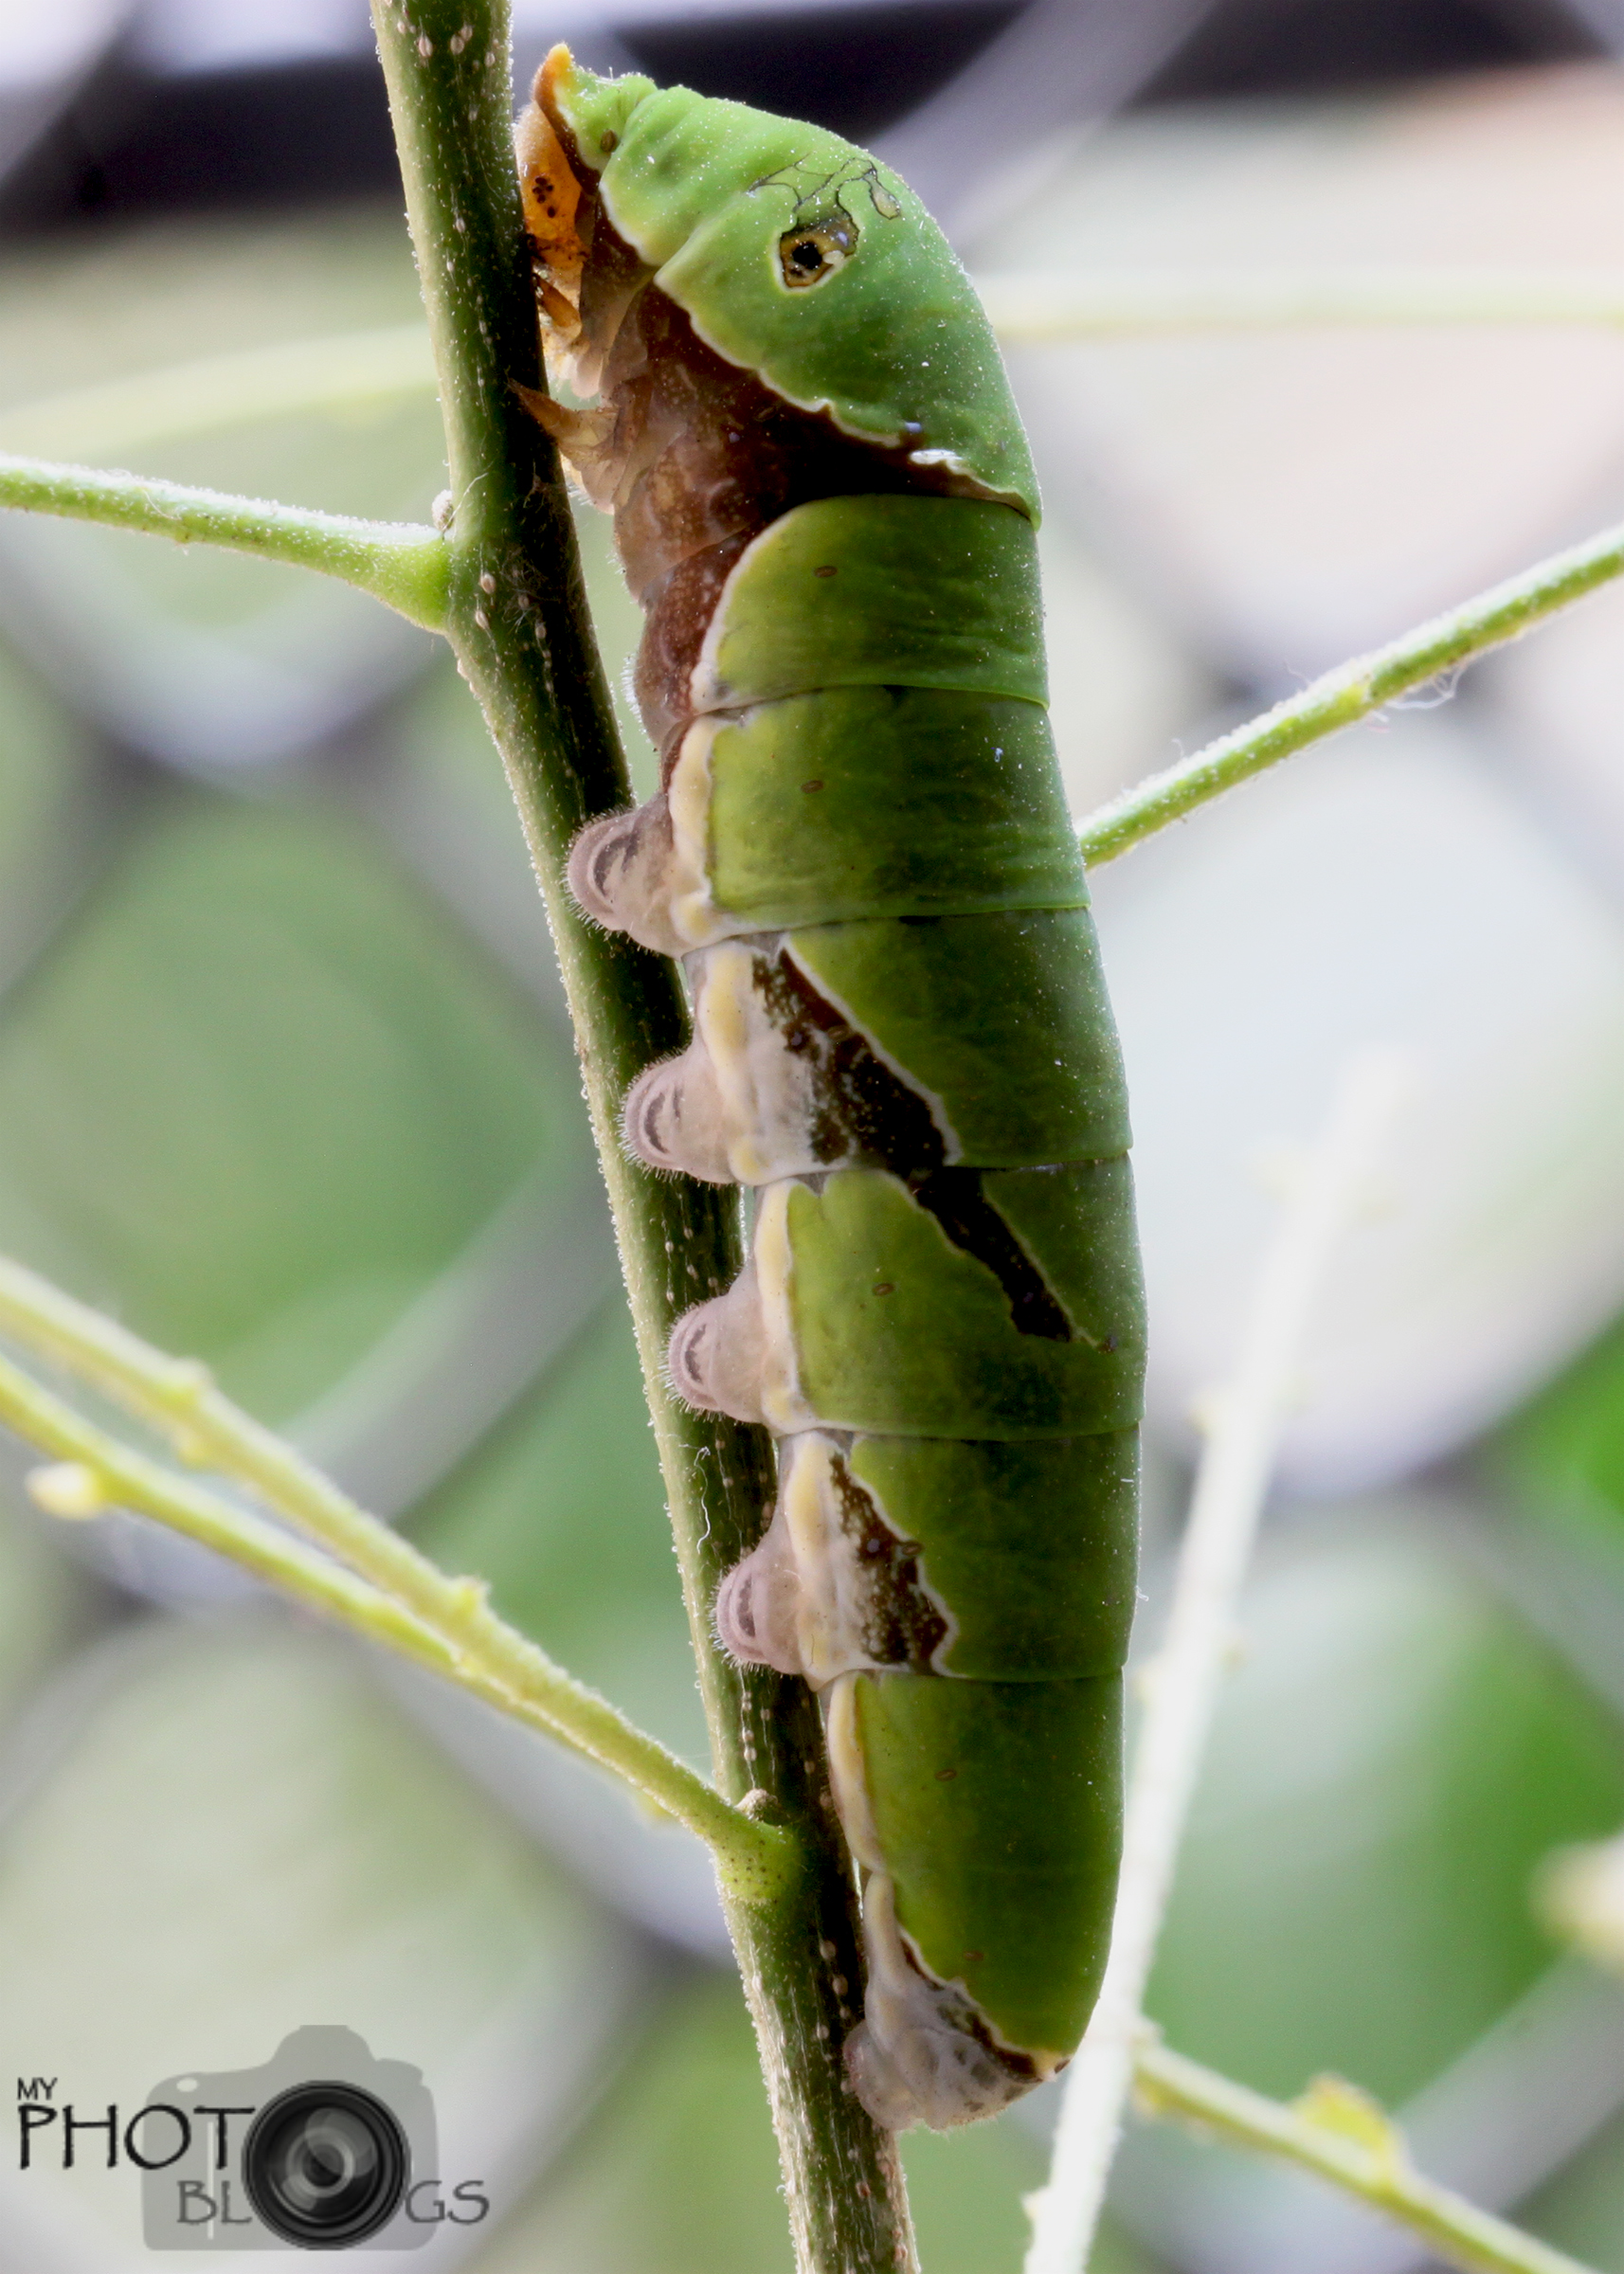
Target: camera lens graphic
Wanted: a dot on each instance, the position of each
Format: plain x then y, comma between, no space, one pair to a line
325,2165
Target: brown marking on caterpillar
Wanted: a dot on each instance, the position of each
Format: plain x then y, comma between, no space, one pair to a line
551,195
814,1090
957,1199
863,1111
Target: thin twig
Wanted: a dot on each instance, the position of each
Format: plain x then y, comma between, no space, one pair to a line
447,1625
1049,306
1245,1425
1436,650
177,1397
1373,2167
399,563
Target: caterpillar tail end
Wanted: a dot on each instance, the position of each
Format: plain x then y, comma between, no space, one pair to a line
922,2053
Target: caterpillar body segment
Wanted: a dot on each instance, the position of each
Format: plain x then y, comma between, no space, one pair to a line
859,848
926,1044
761,825
995,1303
924,649
876,1558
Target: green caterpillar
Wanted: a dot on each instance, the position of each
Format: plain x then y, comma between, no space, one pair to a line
825,502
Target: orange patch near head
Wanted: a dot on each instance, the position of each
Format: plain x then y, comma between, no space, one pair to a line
551,195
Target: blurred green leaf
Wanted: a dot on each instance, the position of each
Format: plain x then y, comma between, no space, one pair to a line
676,2173
563,1510
1391,1762
170,292
1581,2209
263,1092
967,2188
170,289
1566,1445
44,1598
51,797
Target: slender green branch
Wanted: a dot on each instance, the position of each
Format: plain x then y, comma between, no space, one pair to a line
518,620
1049,306
1356,2150
1436,651
94,1473
176,1397
277,380
397,561
443,1623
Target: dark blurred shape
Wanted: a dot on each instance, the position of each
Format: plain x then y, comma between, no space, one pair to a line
290,133
1605,18
1312,46
131,143
852,69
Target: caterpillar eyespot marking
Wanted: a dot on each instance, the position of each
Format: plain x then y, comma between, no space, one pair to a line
807,256
860,850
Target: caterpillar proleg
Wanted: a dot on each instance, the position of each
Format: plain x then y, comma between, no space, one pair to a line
823,501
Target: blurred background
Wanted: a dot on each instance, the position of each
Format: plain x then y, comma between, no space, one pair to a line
285,1083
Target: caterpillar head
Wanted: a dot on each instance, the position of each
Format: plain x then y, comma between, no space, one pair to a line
795,256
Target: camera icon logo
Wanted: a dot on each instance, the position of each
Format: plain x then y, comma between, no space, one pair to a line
323,2148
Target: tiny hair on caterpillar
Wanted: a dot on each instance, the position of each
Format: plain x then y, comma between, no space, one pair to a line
782,387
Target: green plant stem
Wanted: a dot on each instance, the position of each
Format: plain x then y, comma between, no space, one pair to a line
103,1474
1167,2084
466,1644
518,619
465,1637
398,562
1049,306
1435,651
